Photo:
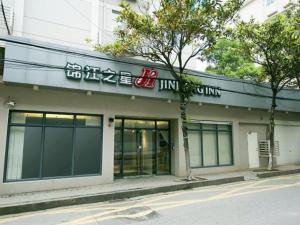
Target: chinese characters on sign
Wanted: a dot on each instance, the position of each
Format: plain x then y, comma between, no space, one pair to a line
95,74
147,79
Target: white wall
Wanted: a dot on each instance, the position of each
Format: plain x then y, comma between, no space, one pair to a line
253,8
244,128
66,22
260,11
288,135
112,105
71,22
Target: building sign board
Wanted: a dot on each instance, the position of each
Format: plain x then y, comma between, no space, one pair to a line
147,79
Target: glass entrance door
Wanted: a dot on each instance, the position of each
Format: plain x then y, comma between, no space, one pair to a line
142,147
138,152
146,151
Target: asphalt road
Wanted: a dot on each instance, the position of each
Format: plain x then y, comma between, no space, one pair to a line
274,201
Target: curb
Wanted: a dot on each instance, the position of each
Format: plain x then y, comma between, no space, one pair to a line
277,173
28,207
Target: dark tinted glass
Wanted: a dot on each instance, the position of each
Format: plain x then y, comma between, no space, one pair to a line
58,151
163,151
87,151
59,119
118,153
195,126
209,126
32,152
224,127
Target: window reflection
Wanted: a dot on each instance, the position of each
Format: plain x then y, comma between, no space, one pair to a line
84,120
59,119
27,118
53,145
129,123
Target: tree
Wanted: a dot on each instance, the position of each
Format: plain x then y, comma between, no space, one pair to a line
275,46
228,59
163,33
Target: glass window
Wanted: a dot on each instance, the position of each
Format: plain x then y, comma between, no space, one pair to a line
269,2
209,126
224,127
32,152
128,123
27,118
84,120
115,23
58,152
210,148
163,151
118,122
210,145
15,153
59,119
24,153
162,124
225,157
195,148
118,153
53,145
195,126
87,145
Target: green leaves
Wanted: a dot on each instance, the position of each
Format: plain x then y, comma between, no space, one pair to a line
162,34
228,58
172,33
188,85
275,45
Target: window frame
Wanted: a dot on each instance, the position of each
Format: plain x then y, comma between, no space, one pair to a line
216,130
269,2
43,125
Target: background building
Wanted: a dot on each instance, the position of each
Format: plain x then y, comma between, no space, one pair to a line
72,22
262,10
66,22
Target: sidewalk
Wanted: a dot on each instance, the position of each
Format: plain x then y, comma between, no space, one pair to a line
124,188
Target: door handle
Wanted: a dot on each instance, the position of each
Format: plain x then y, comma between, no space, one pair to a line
139,147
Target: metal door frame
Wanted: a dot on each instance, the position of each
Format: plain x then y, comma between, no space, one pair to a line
155,166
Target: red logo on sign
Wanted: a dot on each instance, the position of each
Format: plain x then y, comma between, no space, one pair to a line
147,79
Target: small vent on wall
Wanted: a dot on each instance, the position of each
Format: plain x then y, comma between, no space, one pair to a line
264,147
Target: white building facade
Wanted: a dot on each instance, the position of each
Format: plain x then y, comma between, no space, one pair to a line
73,22
68,22
72,117
262,10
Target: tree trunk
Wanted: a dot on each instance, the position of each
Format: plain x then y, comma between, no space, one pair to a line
183,104
272,131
